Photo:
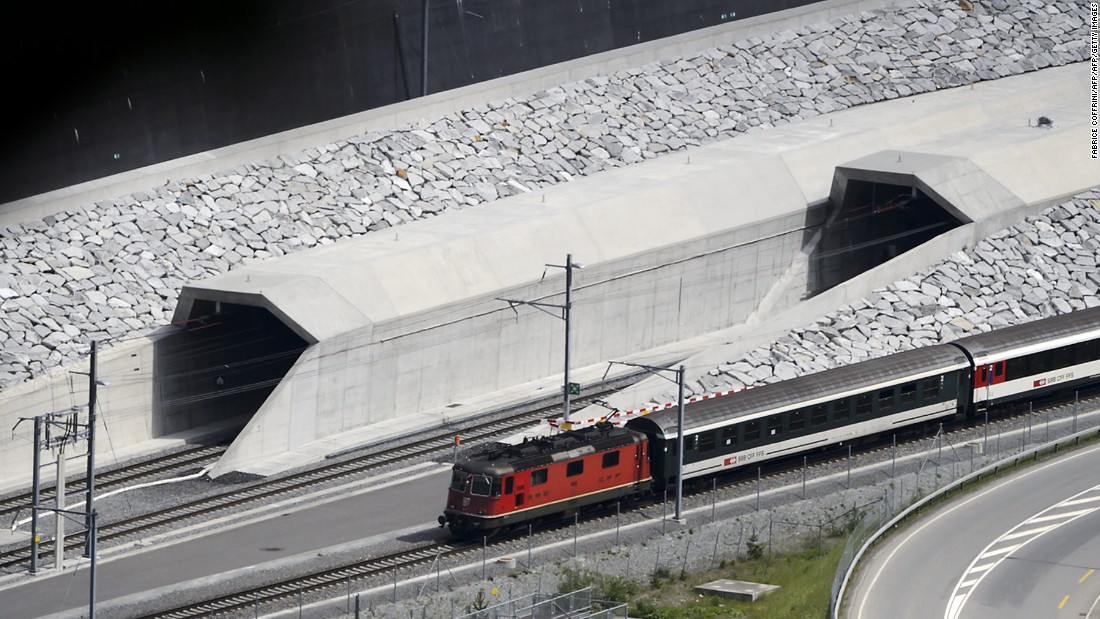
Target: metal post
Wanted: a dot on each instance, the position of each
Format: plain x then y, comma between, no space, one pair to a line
357,606
664,511
803,478
424,51
849,466
92,380
35,485
713,498
1075,403
576,520
985,440
438,568
894,457
1031,411
395,582
484,554
59,536
91,573
618,520
529,529
680,452
757,488
566,312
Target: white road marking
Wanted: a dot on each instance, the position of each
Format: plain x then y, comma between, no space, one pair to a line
968,583
915,532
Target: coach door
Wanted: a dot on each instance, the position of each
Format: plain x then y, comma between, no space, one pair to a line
990,374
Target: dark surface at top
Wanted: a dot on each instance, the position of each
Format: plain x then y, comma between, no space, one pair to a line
94,89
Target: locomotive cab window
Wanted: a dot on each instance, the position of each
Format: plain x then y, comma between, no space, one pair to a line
574,468
509,484
480,485
496,486
458,481
610,459
539,476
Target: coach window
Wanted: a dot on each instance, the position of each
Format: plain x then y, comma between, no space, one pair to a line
1063,357
1015,368
509,484
480,485
729,434
574,468
908,393
706,442
819,415
932,386
842,410
539,476
885,400
863,404
752,430
610,459
775,425
1088,351
797,420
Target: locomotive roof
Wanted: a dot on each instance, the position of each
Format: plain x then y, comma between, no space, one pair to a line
1042,334
806,390
503,458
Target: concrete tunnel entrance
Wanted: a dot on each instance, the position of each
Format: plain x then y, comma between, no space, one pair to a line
220,367
872,223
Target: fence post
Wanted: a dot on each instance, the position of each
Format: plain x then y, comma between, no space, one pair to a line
757,488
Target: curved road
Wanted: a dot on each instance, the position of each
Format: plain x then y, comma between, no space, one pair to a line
1025,546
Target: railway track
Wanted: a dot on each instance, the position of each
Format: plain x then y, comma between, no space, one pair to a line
144,470
432,444
328,581
251,599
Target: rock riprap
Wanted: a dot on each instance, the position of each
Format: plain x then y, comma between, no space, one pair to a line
114,268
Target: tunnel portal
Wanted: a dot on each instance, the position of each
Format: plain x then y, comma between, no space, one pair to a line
220,366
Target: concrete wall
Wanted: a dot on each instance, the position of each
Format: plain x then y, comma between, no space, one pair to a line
436,358
123,410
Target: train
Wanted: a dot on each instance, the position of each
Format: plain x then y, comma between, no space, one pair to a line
503,485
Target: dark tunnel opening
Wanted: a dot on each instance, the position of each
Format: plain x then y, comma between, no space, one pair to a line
874,223
219,368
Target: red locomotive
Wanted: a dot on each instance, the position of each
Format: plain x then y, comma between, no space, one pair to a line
500,485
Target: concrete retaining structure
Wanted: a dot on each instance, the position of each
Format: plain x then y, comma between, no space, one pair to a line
313,197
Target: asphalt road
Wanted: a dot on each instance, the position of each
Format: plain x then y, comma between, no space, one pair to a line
275,537
1021,547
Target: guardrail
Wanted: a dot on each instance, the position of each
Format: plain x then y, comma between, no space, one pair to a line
995,468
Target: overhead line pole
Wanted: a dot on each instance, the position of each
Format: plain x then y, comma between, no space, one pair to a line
656,371
566,309
89,544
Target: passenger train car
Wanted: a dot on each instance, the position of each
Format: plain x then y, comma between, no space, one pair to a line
502,485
